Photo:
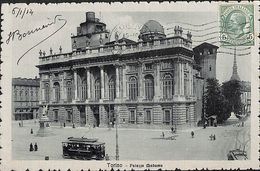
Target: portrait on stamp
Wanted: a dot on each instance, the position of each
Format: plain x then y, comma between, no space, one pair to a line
237,25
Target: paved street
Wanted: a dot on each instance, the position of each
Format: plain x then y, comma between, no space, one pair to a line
135,144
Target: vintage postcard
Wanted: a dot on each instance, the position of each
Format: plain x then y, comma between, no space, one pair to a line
130,86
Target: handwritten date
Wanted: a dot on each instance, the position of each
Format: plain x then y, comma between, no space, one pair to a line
21,12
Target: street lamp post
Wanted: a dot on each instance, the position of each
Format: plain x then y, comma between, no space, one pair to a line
117,147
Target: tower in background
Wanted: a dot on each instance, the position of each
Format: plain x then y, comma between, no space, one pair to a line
235,75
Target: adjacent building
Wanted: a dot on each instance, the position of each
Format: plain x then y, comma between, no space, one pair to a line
156,82
25,98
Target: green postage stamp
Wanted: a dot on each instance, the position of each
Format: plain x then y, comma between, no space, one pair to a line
237,25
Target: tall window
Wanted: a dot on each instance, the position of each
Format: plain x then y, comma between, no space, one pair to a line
26,95
112,89
69,116
132,116
167,86
166,116
69,91
15,95
47,92
149,87
56,116
148,116
56,92
83,90
186,84
133,88
32,95
21,94
97,89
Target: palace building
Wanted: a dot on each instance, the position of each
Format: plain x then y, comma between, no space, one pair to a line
156,82
25,98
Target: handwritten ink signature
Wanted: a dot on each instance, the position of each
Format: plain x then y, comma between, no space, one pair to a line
19,36
21,12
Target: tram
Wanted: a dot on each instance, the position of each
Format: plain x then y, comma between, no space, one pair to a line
83,149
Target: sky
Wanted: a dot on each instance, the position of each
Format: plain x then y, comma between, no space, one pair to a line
203,26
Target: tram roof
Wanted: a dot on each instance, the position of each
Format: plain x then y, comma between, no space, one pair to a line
82,142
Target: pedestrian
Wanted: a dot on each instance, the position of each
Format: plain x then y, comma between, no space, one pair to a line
31,131
35,147
172,129
31,147
106,157
211,136
214,137
163,134
19,124
192,134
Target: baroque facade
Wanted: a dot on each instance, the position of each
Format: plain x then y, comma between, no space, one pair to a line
156,82
25,98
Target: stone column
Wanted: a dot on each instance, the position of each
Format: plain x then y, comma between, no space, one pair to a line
124,88
88,84
181,79
102,81
76,84
191,82
157,81
176,78
117,81
140,82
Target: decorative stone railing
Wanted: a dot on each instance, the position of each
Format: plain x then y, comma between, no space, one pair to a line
118,49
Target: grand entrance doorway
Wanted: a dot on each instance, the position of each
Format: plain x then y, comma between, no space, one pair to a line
110,115
82,115
96,121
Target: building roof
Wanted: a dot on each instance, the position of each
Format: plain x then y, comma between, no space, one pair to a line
123,40
26,82
152,26
205,45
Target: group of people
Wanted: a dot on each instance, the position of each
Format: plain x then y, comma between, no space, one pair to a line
212,137
33,147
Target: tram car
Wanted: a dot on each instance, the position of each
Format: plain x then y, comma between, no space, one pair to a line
83,149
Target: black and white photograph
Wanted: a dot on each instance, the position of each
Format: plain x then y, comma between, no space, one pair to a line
115,83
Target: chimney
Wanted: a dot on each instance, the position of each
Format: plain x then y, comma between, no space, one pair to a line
90,16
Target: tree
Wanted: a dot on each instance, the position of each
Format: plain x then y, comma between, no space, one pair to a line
232,92
215,103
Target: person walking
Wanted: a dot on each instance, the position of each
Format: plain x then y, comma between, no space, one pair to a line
35,147
214,137
163,134
172,129
31,147
192,134
31,131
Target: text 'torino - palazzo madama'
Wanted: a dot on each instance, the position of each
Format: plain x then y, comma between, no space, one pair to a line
156,82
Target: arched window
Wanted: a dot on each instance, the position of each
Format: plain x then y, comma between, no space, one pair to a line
133,88
149,87
56,92
112,89
167,86
97,89
47,92
69,91
83,90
